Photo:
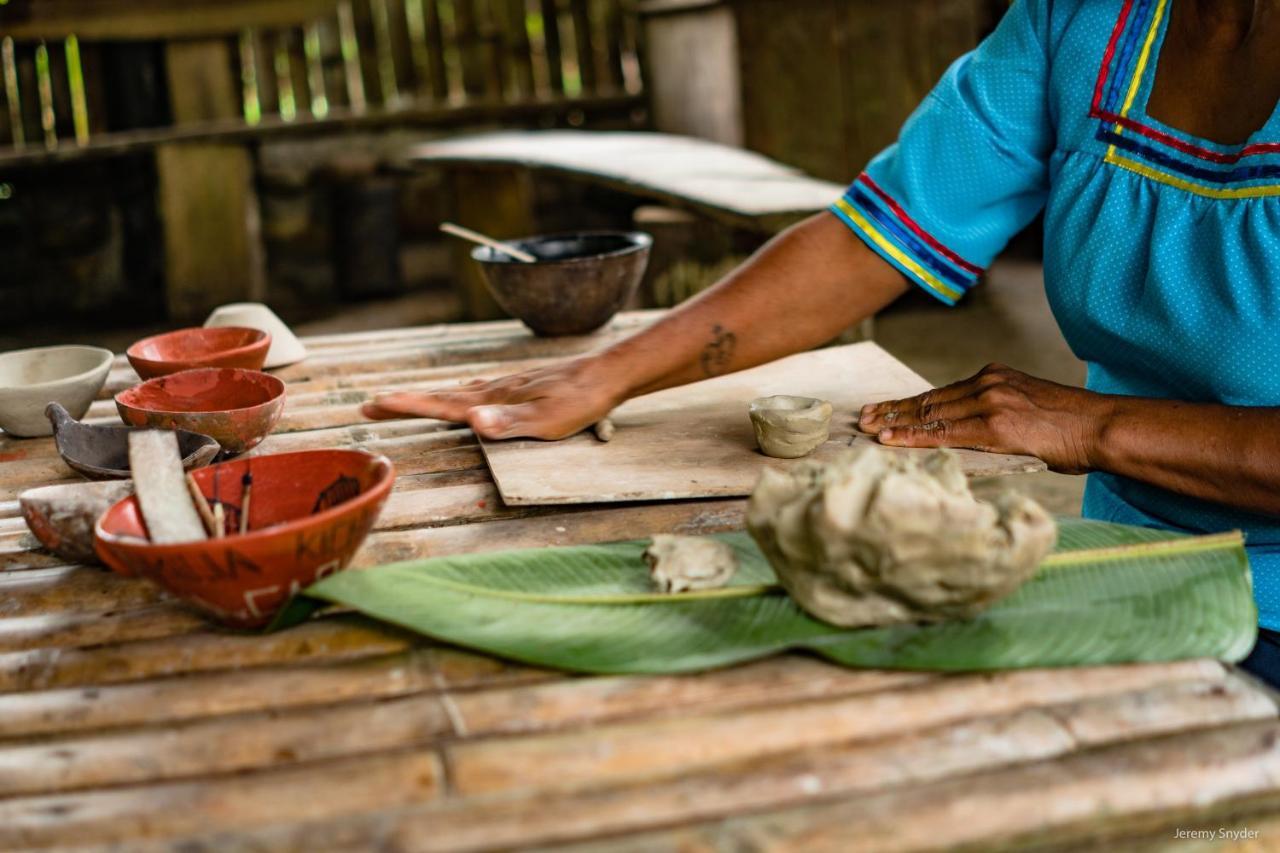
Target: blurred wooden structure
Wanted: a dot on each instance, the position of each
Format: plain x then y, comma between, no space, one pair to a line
238,72
129,722
822,87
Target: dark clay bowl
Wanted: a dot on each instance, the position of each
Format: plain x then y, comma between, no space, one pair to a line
101,451
237,408
186,349
578,283
308,514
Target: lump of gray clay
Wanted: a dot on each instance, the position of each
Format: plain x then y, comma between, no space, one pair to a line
789,427
683,563
878,538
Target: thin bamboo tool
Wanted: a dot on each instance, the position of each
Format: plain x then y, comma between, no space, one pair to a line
202,506
496,245
246,498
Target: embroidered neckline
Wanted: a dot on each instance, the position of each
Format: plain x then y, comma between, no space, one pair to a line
1156,153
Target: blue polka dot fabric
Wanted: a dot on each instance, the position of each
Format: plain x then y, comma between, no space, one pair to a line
1162,250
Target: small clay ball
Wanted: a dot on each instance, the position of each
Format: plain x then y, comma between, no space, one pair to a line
603,429
789,427
683,563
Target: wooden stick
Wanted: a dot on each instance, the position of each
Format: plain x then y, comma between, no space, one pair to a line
202,506
496,245
247,496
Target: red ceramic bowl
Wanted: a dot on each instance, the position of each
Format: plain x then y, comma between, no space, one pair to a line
308,514
186,349
239,408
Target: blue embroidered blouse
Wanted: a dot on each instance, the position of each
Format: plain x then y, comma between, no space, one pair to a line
1162,255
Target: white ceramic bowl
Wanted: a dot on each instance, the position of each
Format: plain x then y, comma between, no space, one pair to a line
31,379
285,346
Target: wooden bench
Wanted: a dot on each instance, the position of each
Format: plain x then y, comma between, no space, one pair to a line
239,72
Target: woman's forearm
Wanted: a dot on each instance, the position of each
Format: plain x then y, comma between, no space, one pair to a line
800,290
1225,454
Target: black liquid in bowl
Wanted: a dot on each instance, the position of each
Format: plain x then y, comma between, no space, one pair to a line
578,283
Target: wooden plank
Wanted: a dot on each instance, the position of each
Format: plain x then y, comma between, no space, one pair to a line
844,772
729,184
584,43
682,746
1160,782
273,736
551,44
324,640
294,793
518,46
696,441
199,695
221,745
141,20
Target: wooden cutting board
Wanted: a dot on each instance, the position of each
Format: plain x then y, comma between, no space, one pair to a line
696,441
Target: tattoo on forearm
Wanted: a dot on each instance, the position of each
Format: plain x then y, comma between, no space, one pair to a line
717,355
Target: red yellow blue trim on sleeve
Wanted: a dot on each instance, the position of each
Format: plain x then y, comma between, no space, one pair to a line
886,227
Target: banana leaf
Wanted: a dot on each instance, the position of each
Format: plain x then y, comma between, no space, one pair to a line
1108,594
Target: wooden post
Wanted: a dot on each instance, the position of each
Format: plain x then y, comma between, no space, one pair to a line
208,205
496,201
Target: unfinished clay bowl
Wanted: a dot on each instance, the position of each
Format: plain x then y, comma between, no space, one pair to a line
579,282
101,451
788,427
62,517
187,349
285,349
237,408
308,514
33,378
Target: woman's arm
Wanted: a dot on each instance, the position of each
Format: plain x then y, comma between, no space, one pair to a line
1226,454
800,290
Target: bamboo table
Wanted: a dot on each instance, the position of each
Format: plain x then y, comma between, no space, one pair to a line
128,721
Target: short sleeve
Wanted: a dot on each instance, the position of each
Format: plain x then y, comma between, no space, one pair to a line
970,167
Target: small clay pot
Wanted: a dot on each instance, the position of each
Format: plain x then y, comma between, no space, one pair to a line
237,408
789,427
577,284
187,349
33,378
308,514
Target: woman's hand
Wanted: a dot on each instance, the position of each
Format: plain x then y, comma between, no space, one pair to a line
549,402
1000,410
